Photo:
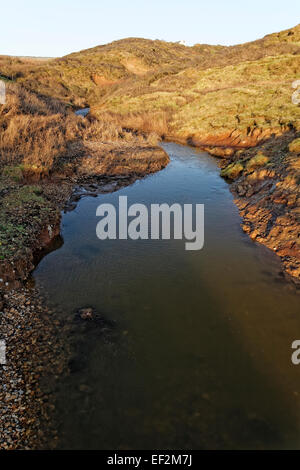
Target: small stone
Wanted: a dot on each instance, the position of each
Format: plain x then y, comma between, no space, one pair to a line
86,313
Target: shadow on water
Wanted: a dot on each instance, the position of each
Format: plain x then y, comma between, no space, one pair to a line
188,350
54,245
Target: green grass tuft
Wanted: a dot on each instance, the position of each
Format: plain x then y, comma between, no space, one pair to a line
232,171
257,161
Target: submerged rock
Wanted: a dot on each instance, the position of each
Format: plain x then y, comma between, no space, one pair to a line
86,313
90,315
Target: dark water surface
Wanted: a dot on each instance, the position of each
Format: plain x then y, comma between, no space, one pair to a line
199,354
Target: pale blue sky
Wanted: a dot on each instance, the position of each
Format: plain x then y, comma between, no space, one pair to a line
58,27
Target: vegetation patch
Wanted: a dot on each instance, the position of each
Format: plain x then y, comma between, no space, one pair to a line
232,171
14,172
259,160
295,146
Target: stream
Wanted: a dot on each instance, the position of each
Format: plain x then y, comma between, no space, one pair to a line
193,350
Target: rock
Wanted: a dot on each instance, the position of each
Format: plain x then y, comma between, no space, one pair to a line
241,190
223,152
267,195
86,313
254,234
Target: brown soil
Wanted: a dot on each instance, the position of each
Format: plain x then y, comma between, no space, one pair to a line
225,144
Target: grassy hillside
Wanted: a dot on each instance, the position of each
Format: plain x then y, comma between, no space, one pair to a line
207,95
141,67
254,95
242,91
84,76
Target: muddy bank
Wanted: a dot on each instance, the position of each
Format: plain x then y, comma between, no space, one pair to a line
265,183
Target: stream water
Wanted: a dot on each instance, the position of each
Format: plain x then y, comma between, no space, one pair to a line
195,349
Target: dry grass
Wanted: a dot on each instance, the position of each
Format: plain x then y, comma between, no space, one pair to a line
258,161
155,87
147,122
295,146
41,134
32,130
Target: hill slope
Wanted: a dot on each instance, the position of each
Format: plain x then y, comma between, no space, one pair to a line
87,76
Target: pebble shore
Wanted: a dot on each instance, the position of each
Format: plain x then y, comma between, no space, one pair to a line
35,358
